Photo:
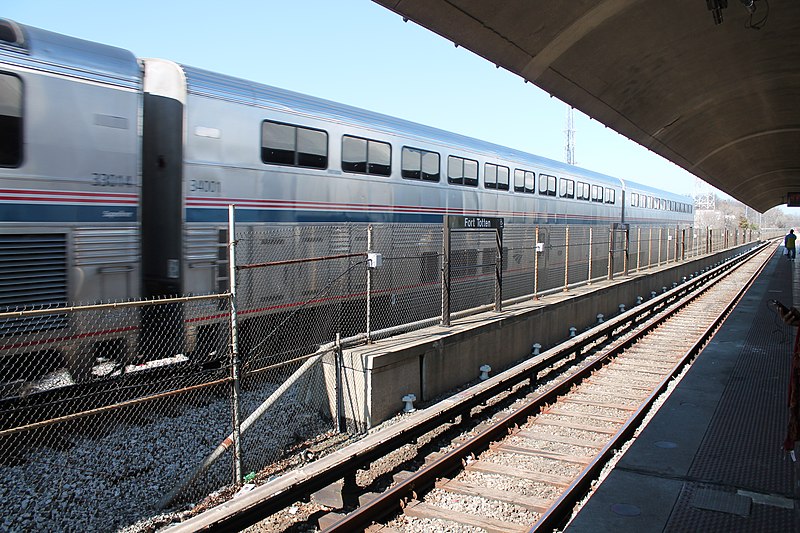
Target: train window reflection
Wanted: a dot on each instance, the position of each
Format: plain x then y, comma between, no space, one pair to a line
490,176
503,174
547,185
566,188
312,148
379,158
611,196
10,121
354,154
461,171
418,164
583,191
366,156
285,144
430,166
597,193
524,180
496,177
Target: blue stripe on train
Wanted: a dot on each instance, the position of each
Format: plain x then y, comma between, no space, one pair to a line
245,215
127,214
67,213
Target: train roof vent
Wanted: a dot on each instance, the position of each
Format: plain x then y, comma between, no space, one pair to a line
11,33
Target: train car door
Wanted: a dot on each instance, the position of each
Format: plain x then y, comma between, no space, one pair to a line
164,99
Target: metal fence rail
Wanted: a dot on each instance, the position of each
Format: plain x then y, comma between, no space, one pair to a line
111,411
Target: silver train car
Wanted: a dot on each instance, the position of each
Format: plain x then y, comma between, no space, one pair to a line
116,173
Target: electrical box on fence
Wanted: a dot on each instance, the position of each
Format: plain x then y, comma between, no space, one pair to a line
374,260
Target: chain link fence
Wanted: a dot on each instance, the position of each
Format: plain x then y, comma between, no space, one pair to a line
111,412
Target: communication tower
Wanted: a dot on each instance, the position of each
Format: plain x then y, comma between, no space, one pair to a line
704,197
569,145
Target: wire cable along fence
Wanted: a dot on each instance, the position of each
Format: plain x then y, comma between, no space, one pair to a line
114,411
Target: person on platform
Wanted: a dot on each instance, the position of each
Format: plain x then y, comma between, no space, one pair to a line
789,242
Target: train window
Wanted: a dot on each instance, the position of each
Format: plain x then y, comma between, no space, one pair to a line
583,191
312,148
354,154
10,121
649,202
611,196
634,199
597,193
419,164
490,176
366,156
379,158
461,171
503,178
285,144
547,185
495,177
524,180
566,188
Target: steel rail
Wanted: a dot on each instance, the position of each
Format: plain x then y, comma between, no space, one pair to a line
391,500
558,513
293,486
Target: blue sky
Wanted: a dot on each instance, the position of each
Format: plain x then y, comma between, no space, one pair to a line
358,53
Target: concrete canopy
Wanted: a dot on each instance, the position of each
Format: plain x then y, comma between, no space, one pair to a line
721,101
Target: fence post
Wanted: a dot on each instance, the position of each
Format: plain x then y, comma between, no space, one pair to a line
677,243
338,355
638,246
626,257
446,272
660,243
369,287
498,271
683,244
710,241
237,450
536,265
589,280
667,246
566,260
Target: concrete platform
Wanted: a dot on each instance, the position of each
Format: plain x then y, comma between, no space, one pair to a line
712,458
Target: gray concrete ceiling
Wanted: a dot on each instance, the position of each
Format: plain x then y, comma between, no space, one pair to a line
721,101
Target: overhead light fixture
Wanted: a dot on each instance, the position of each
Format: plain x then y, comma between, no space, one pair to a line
716,7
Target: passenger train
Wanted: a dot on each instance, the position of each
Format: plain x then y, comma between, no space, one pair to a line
116,172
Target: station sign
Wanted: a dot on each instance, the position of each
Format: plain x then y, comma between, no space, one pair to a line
793,199
487,223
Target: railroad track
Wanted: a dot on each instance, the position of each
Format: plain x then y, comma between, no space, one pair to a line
526,468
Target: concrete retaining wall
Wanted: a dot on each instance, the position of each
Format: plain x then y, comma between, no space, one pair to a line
435,360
